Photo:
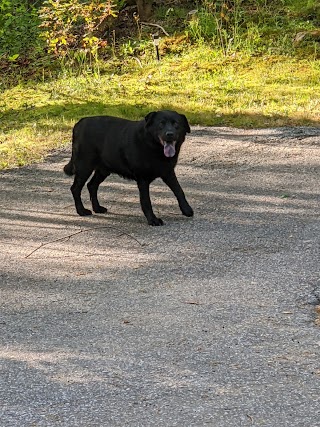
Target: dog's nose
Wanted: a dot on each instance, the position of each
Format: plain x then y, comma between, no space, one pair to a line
169,134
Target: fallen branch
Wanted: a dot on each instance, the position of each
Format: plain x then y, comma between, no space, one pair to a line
156,25
122,233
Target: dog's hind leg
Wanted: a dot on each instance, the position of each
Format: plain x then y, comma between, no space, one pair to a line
93,186
76,187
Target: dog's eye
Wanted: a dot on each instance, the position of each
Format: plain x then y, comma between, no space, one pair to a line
162,124
176,125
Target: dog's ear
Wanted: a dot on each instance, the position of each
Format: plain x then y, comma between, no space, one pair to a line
185,123
149,118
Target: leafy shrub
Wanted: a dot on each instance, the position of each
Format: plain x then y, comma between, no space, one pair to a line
19,28
75,28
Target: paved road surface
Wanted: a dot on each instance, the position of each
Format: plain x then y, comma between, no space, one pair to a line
204,321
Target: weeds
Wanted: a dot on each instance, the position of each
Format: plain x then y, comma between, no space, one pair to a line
256,28
220,22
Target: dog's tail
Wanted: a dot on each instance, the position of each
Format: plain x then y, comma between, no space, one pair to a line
69,168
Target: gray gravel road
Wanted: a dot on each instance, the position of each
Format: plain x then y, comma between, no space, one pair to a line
204,321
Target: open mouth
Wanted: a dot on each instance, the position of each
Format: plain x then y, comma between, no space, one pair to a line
169,148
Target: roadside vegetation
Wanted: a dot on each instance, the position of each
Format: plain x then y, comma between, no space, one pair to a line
252,63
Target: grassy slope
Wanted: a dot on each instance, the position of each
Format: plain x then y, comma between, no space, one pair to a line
210,90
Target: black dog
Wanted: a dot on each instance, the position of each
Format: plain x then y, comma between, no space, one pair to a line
141,151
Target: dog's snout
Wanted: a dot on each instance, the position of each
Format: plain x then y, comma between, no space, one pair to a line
169,134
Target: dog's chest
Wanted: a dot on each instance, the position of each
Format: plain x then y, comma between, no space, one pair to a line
153,167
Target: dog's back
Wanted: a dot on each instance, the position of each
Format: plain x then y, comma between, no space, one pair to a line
103,140
100,130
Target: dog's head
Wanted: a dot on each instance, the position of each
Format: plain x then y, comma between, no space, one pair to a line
169,129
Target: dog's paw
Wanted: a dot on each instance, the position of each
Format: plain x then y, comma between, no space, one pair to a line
100,209
187,211
84,212
155,221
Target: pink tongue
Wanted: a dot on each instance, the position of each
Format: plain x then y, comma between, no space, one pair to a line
169,150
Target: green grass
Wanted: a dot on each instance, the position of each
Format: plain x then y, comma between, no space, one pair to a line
210,89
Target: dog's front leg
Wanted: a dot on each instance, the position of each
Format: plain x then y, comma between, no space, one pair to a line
172,182
144,191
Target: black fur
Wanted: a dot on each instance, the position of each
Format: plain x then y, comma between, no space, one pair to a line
138,150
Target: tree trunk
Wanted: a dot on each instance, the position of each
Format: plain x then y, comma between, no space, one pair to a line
144,9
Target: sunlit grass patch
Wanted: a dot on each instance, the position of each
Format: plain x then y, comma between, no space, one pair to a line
238,91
